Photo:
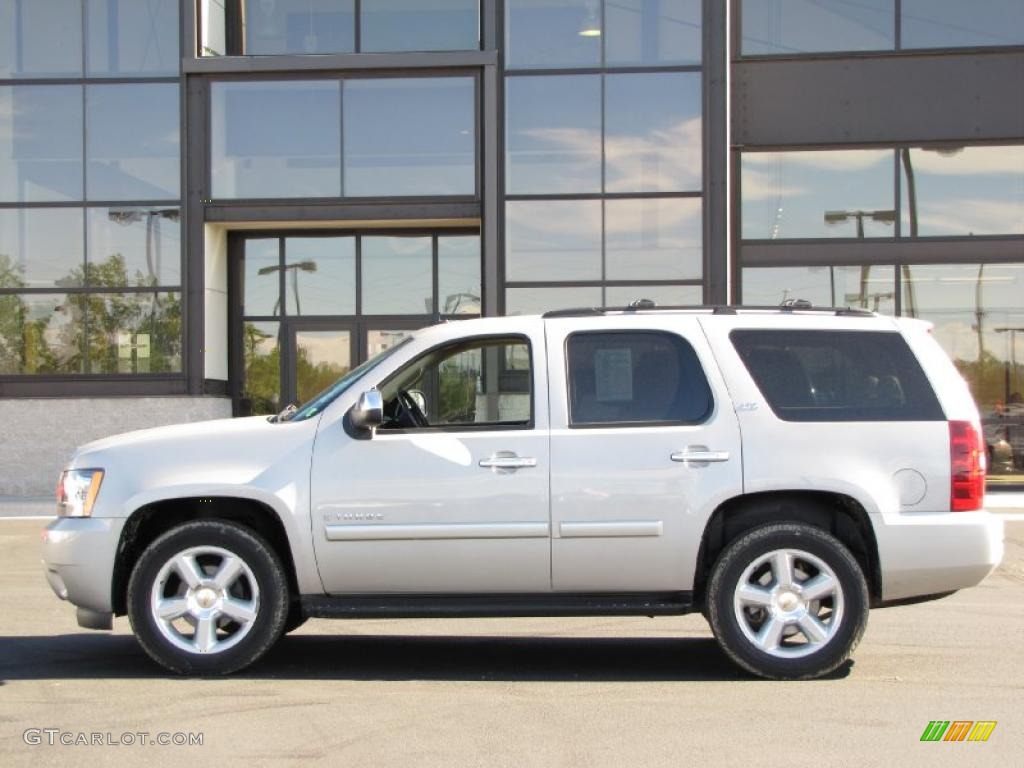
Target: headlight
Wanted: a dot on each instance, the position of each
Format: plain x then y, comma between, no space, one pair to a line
77,490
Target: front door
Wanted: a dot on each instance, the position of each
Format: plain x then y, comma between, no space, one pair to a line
451,493
309,304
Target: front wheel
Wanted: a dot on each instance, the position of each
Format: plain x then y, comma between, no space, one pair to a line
787,601
207,597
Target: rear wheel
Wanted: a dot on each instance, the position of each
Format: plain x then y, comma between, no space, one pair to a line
787,601
207,597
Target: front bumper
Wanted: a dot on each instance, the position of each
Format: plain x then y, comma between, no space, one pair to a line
78,560
932,553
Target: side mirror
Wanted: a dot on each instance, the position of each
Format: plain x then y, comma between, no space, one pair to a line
368,413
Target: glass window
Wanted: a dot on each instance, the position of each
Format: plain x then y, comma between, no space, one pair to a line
40,334
132,332
553,240
863,287
807,26
662,295
840,193
419,25
134,246
979,321
397,275
652,32
321,358
643,377
133,136
535,301
261,354
261,277
132,38
962,191
549,34
837,375
951,23
410,136
41,247
276,139
653,132
458,274
320,276
40,38
653,239
475,383
378,341
553,134
288,26
40,143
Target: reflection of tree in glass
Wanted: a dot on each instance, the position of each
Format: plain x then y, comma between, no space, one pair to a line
11,312
457,384
311,377
262,369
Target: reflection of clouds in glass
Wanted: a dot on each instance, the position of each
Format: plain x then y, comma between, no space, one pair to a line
653,239
553,240
969,161
970,217
759,185
872,288
825,160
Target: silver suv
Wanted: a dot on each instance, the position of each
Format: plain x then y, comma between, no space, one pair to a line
778,470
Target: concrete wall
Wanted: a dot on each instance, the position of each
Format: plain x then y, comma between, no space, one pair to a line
38,435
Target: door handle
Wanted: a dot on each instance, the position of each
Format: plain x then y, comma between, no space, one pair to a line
700,455
504,460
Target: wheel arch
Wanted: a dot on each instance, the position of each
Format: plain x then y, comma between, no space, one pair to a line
151,520
839,514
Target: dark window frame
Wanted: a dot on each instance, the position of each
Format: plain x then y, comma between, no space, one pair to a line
681,343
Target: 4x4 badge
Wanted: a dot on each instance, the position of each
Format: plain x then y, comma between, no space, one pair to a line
752,406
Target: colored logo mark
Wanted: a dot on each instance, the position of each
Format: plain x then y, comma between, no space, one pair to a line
958,730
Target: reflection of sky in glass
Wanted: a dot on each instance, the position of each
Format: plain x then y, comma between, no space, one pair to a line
419,25
662,295
553,134
804,26
46,43
532,301
653,132
786,194
553,240
397,275
149,240
330,289
40,143
965,191
869,287
458,274
298,26
950,23
133,135
653,239
261,294
276,139
652,33
546,33
135,38
409,136
44,244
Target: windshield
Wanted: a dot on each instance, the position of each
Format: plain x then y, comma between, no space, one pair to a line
325,398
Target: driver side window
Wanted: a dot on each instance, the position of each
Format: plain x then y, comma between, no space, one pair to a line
473,383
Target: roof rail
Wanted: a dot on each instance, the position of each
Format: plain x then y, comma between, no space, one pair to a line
715,309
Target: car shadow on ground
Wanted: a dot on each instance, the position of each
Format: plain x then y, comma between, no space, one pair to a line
396,657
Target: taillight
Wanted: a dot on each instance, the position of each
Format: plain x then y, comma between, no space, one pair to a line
966,467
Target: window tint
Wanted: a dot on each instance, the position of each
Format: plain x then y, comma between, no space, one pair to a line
475,383
639,378
837,375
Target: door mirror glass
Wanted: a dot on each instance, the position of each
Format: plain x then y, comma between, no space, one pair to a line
368,413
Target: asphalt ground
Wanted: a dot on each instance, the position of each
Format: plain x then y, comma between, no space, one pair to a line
512,692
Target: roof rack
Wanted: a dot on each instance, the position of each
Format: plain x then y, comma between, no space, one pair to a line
715,309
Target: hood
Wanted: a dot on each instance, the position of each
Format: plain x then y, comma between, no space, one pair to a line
253,426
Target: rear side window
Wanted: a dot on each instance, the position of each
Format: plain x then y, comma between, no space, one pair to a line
837,375
645,377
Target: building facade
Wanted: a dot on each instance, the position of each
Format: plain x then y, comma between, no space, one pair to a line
215,207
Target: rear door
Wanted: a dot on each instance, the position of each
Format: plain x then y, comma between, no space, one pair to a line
644,445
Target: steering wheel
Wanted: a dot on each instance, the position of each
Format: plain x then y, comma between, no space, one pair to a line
410,409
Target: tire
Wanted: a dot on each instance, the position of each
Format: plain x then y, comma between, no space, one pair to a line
208,598
759,620
295,618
